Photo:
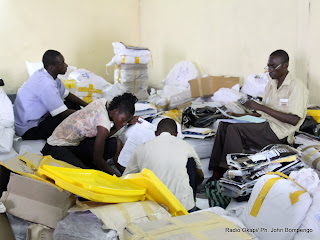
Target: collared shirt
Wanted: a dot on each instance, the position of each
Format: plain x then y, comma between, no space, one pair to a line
81,124
37,97
291,97
167,156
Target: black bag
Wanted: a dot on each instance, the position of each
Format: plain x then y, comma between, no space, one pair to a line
200,117
309,125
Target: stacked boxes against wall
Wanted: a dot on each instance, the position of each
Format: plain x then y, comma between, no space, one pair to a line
131,69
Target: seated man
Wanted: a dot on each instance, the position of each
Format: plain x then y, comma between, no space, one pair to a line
41,96
284,107
167,156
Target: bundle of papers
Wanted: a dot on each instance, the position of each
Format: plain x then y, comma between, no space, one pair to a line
144,110
245,169
245,118
198,132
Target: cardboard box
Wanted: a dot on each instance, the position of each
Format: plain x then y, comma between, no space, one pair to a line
198,226
36,201
207,86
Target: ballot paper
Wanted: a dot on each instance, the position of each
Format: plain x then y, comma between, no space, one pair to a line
138,134
245,118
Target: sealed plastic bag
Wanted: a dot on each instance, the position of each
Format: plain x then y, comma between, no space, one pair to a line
255,85
200,117
181,73
82,226
89,86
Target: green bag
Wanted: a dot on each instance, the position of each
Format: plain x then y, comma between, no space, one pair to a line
215,195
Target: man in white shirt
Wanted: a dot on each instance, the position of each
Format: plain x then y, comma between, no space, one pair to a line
167,157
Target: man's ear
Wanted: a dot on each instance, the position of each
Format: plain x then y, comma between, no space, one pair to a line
286,65
157,133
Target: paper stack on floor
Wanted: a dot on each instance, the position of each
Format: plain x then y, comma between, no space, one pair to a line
246,169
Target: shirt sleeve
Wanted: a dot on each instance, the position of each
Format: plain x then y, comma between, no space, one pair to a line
66,93
192,154
49,96
63,91
298,100
133,163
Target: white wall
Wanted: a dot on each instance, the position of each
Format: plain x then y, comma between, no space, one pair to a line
232,37
81,30
221,37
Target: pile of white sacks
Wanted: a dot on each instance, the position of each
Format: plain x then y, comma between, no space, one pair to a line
131,71
282,207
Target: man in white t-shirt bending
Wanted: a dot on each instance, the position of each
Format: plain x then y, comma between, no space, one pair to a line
167,157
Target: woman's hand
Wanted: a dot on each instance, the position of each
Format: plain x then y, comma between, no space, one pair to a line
134,120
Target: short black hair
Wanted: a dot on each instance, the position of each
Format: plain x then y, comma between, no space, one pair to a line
283,55
124,103
167,125
50,58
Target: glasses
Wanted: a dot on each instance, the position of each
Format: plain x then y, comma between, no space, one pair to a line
267,68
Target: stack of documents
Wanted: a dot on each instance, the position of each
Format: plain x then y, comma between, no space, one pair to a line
198,132
144,110
245,169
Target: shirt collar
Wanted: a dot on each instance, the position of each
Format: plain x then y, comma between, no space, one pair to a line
287,81
165,134
46,72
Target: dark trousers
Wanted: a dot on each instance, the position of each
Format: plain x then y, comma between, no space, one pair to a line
234,137
81,155
193,175
47,126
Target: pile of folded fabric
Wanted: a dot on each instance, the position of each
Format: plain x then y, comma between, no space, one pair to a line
246,169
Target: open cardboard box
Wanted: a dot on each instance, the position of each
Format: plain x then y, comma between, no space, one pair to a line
207,86
36,201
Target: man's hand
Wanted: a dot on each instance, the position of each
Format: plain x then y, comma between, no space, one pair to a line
134,120
253,105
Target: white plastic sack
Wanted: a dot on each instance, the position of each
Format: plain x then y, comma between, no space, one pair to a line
117,59
6,110
120,49
282,211
6,139
134,79
226,95
180,74
32,67
307,178
112,91
89,86
130,73
129,55
33,146
170,96
310,227
255,85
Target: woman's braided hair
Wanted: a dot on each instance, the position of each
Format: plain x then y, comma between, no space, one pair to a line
124,103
